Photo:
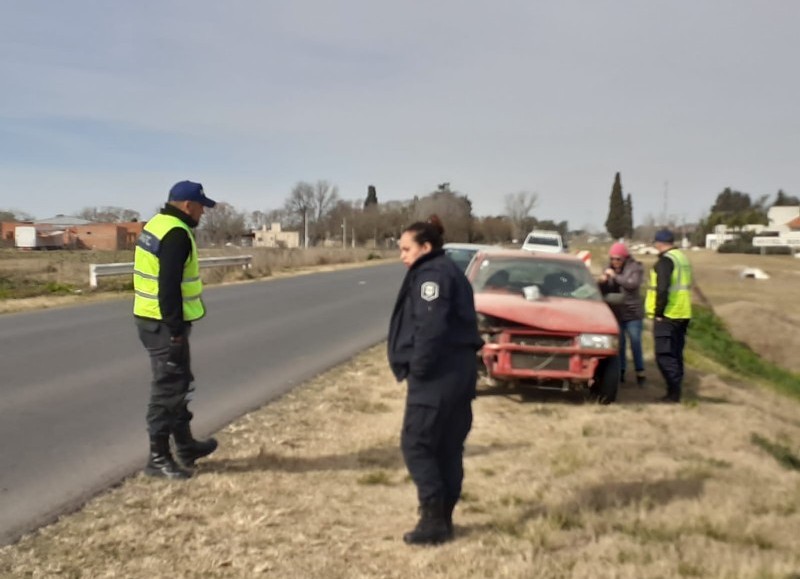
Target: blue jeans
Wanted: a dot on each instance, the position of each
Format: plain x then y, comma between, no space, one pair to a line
632,330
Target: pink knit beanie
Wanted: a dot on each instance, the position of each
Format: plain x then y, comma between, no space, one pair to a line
618,250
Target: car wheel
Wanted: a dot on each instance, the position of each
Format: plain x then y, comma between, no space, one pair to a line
607,380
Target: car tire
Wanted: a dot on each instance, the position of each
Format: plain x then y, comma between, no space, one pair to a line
607,380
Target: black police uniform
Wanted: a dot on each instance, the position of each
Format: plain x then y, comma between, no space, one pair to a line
170,391
669,334
433,337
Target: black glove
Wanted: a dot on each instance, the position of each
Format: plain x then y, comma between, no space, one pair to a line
176,356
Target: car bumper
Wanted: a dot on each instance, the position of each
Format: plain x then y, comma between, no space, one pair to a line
507,360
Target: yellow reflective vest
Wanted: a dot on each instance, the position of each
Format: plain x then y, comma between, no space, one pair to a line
679,302
146,266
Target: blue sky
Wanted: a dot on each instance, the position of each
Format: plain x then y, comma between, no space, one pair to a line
110,103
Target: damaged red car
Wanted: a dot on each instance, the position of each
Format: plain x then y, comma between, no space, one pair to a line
544,323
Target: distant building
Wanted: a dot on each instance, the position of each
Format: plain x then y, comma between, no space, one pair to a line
7,229
783,219
274,237
61,221
105,236
794,224
723,234
65,232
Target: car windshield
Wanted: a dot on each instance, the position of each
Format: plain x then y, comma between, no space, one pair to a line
553,277
541,240
461,256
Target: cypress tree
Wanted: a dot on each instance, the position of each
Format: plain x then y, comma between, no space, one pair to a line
628,216
372,197
615,222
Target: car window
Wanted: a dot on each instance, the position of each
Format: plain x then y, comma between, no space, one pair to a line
554,278
541,240
462,257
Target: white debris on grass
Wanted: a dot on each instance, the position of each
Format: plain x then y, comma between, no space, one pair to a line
753,273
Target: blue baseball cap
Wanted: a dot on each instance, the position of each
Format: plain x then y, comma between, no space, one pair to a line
190,191
664,236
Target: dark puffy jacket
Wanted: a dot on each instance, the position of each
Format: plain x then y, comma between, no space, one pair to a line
433,319
629,283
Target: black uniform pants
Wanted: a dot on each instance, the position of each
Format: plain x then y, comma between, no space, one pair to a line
169,391
669,337
433,448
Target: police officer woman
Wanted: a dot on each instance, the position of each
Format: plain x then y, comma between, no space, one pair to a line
433,337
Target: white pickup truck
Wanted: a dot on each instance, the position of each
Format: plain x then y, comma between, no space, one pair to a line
544,241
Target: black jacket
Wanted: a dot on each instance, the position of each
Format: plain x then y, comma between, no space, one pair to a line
433,319
172,255
628,282
663,268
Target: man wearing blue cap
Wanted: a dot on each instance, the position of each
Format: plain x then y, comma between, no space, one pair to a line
669,304
167,300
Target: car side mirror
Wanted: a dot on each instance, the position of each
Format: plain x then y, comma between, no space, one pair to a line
531,292
614,299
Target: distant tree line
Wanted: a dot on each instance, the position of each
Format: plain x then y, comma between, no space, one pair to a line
731,208
735,209
317,208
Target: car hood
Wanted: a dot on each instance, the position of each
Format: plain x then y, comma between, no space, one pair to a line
549,313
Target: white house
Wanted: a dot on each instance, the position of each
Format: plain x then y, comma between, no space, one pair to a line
781,218
274,237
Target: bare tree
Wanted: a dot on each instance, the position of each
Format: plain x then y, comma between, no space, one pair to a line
326,196
15,215
300,204
454,209
311,204
222,224
495,229
518,210
257,219
108,214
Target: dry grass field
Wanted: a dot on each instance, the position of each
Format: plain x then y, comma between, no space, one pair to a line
313,485
42,279
764,314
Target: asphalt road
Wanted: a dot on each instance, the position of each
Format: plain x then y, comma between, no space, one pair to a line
74,382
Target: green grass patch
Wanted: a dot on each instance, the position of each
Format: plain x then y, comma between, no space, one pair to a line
781,453
16,288
377,477
709,336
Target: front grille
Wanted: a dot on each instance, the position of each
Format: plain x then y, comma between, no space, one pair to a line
543,341
523,361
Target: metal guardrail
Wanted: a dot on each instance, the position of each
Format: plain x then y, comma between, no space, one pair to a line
107,269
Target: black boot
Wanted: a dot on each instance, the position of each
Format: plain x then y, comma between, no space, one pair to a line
160,464
449,506
187,449
432,527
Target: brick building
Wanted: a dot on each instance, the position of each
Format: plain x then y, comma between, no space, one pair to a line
7,229
76,233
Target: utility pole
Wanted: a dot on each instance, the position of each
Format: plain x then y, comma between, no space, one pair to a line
344,232
305,226
665,215
353,237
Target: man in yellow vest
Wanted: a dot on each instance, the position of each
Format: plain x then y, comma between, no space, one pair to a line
669,304
167,300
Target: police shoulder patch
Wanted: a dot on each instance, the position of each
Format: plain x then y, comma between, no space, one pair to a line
429,291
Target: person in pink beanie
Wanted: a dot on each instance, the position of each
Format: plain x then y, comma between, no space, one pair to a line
625,275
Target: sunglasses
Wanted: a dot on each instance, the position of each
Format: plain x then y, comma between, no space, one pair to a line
615,259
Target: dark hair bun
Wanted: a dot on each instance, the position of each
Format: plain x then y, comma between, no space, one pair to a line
437,223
